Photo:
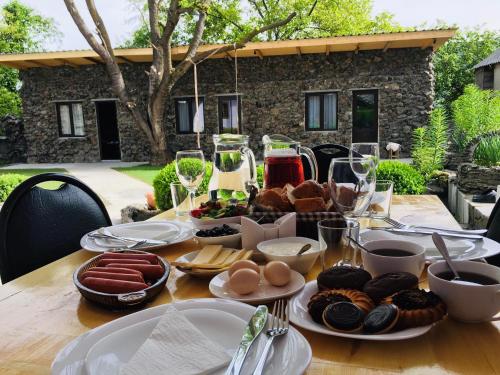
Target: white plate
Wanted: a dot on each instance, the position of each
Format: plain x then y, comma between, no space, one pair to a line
300,317
265,293
157,230
200,223
188,257
459,249
110,353
290,354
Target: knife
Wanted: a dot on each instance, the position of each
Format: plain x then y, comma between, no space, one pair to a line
419,231
252,331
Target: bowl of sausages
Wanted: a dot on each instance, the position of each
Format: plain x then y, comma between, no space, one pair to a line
122,278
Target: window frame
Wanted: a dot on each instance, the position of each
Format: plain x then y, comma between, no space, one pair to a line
70,104
191,99
321,94
220,98
375,92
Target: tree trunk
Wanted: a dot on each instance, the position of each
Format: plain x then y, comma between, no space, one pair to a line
159,154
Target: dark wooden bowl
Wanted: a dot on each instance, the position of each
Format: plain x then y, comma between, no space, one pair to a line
126,300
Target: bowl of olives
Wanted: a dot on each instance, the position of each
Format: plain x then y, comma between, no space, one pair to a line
227,235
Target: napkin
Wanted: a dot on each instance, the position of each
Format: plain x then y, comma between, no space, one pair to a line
252,232
176,346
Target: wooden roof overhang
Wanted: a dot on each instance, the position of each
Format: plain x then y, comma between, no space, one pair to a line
410,39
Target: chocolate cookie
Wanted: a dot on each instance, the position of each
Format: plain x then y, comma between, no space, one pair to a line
343,317
381,319
388,284
343,277
320,301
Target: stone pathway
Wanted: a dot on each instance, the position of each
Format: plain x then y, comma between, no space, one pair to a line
117,190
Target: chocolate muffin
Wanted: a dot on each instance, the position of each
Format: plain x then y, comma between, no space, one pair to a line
389,283
343,277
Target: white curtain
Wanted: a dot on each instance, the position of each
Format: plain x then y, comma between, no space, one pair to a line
199,116
78,119
234,114
330,111
65,119
183,114
313,112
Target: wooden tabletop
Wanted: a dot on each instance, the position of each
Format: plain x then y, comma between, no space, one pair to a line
42,311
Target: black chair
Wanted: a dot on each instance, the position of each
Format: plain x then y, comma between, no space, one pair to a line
324,154
493,233
39,226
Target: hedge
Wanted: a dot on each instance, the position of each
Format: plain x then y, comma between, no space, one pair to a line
407,180
8,182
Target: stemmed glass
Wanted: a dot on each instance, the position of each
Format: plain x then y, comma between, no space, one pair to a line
190,169
366,150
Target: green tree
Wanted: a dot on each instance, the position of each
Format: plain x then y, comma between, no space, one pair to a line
21,30
454,62
228,20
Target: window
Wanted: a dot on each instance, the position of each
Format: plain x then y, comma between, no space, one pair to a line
70,119
321,111
229,114
185,109
365,116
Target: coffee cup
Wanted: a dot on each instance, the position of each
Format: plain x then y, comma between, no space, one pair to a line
467,302
385,256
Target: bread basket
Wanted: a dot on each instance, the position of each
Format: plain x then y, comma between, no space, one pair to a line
121,301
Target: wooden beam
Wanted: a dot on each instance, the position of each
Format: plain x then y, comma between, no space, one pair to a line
13,65
93,60
258,52
357,49
299,51
431,44
41,63
327,49
124,59
386,46
69,63
228,56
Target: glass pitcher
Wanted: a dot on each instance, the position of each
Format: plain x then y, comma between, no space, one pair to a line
283,162
234,170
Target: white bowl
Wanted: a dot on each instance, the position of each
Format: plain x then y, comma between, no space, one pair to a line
300,263
232,241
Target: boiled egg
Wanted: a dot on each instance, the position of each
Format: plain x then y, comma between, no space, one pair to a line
277,273
240,264
244,281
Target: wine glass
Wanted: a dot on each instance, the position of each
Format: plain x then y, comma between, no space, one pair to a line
190,169
351,184
366,150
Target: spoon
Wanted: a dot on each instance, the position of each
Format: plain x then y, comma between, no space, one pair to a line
441,246
304,248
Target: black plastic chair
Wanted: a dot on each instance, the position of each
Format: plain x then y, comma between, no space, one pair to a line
493,233
39,226
324,154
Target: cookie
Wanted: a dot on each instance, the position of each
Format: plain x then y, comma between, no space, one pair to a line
389,283
343,317
381,319
343,277
319,302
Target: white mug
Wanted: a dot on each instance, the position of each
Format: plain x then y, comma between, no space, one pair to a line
467,302
379,264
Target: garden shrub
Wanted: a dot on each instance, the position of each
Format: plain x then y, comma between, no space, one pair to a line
487,152
406,178
8,182
430,144
476,112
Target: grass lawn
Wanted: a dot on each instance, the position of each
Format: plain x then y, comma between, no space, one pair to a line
34,172
144,172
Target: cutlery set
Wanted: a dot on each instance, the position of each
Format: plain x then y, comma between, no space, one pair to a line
278,325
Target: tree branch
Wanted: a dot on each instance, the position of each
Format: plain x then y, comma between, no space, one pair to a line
101,28
312,8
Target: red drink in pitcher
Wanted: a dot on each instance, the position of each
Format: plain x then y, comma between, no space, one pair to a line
282,170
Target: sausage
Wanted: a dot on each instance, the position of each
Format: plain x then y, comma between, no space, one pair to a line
105,262
112,286
153,259
149,271
113,276
116,270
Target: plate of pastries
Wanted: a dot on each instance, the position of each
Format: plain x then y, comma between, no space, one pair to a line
346,301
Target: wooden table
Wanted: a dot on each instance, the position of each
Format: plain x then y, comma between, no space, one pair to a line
42,311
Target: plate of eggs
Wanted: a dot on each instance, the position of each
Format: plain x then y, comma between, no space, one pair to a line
245,281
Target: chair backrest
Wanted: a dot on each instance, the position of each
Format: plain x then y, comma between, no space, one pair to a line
324,154
39,226
493,233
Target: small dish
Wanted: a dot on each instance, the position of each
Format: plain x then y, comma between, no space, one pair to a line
300,263
188,257
265,293
215,222
231,241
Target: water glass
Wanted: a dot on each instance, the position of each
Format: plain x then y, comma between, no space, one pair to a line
380,205
333,235
180,199
190,169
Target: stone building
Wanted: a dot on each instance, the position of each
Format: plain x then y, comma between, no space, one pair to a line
487,72
371,88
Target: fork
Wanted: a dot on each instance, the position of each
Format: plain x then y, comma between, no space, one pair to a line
277,326
400,225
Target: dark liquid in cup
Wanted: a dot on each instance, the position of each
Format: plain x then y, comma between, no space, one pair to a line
282,170
392,252
470,277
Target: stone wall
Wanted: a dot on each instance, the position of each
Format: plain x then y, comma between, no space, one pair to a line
473,179
273,100
12,141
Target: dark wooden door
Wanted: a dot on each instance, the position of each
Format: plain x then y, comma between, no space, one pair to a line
109,137
365,116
